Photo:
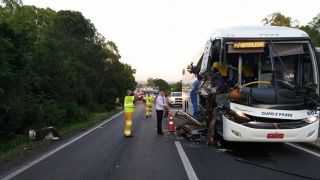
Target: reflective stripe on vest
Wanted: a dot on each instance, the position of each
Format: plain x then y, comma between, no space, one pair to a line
128,102
149,99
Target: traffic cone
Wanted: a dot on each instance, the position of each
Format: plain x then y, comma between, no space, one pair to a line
171,124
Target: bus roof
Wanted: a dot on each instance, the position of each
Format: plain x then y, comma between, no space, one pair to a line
258,32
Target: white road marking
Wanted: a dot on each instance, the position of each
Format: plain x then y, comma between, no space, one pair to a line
304,149
186,163
32,163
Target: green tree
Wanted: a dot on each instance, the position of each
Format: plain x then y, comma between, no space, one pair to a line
162,84
313,29
150,82
12,5
278,19
176,86
55,68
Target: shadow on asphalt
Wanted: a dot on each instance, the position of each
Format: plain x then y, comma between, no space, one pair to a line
254,151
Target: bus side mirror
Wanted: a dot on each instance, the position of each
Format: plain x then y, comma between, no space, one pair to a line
183,71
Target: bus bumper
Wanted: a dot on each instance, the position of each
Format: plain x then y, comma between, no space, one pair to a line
236,132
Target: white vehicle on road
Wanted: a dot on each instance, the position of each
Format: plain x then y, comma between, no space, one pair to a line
269,89
175,99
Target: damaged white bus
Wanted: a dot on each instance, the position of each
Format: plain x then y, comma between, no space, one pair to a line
256,83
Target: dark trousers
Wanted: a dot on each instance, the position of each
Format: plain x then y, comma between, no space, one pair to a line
159,120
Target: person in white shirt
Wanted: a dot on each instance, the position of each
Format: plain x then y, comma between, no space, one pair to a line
160,106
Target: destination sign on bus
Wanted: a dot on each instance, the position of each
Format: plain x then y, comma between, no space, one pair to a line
242,45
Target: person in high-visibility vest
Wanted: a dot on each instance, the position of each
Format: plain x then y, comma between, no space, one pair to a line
149,102
128,113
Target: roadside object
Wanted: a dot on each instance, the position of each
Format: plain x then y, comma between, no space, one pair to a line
189,127
186,118
44,134
171,128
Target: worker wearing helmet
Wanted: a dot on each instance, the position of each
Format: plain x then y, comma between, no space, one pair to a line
149,102
128,113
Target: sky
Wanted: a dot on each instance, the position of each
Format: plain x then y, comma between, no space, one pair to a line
158,38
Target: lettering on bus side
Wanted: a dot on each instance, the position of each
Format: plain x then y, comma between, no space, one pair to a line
311,113
276,114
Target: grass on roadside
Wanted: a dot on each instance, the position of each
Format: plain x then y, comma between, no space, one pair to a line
93,119
20,143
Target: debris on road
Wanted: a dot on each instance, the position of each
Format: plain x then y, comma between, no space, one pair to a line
47,133
189,127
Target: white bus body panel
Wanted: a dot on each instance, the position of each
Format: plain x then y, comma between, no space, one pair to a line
258,32
273,113
247,134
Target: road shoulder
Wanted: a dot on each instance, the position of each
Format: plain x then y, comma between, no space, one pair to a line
42,148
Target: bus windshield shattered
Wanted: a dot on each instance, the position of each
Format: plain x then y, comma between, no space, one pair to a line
272,74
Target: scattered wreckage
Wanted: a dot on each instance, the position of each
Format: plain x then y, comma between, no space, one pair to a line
46,133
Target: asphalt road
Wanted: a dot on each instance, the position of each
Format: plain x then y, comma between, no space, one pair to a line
105,154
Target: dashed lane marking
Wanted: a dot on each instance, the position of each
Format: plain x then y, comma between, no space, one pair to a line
32,163
186,163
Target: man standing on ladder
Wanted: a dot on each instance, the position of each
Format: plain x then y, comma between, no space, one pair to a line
128,113
149,102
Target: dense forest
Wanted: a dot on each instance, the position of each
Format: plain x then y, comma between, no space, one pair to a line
55,68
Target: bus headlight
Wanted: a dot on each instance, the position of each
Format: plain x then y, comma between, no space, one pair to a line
243,115
238,117
311,119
